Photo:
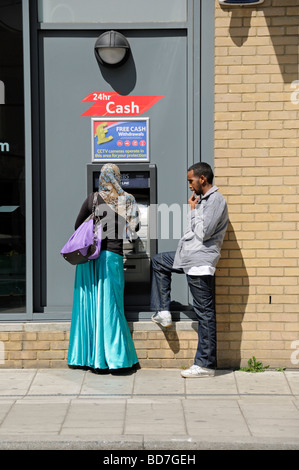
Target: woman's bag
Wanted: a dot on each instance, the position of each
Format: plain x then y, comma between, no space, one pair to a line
85,243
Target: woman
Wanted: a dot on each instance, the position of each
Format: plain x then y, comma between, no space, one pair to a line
100,338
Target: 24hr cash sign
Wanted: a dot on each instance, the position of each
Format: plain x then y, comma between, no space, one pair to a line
113,104
119,140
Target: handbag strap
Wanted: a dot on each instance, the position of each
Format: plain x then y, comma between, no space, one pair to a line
94,203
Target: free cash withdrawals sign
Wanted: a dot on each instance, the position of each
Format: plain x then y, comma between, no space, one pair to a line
123,140
118,133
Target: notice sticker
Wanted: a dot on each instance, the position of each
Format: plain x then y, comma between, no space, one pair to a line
126,140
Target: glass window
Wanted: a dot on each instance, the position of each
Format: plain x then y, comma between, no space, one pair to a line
12,174
112,11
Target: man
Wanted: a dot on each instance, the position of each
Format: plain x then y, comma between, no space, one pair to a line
197,255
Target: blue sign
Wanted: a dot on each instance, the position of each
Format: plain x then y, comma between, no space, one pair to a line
125,140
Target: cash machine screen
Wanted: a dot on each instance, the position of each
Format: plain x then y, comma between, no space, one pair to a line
135,179
129,180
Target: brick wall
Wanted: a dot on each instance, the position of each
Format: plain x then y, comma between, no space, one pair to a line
257,170
31,345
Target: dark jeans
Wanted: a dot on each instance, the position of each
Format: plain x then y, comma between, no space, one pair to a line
202,289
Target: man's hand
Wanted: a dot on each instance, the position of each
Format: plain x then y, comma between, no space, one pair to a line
193,200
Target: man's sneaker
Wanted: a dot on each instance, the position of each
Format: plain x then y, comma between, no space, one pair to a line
163,318
197,371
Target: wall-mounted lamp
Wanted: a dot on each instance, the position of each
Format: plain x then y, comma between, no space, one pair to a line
241,3
112,49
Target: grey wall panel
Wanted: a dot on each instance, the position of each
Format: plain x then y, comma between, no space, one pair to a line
101,11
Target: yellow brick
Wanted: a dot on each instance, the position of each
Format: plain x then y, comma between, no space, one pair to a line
149,344
35,345
266,50
4,336
283,244
291,290
270,271
17,355
29,336
184,354
50,354
174,345
37,363
50,335
248,345
143,334
259,78
150,363
16,336
59,345
288,262
141,354
13,346
160,354
256,335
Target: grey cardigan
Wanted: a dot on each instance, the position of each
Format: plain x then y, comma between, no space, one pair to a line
203,238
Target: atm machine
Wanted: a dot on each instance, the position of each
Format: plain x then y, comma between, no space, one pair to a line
140,180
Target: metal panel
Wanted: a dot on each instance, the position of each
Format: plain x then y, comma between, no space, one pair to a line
28,157
60,145
207,42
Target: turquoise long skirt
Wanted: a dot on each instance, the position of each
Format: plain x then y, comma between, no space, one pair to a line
100,337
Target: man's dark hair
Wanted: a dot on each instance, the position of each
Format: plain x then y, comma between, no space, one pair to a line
204,169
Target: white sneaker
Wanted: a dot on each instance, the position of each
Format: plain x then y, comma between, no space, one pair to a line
162,318
196,371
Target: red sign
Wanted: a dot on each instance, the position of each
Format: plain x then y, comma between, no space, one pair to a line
113,104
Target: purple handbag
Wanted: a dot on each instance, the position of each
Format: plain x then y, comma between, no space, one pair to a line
85,243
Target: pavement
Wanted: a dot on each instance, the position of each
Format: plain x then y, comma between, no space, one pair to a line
150,409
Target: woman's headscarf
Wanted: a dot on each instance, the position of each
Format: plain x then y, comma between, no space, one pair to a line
115,197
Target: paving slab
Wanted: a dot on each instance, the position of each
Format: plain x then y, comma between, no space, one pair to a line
293,380
259,383
153,418
27,417
5,405
208,417
85,417
107,385
16,382
222,384
56,382
157,382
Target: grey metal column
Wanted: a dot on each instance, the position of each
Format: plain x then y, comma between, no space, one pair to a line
207,53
